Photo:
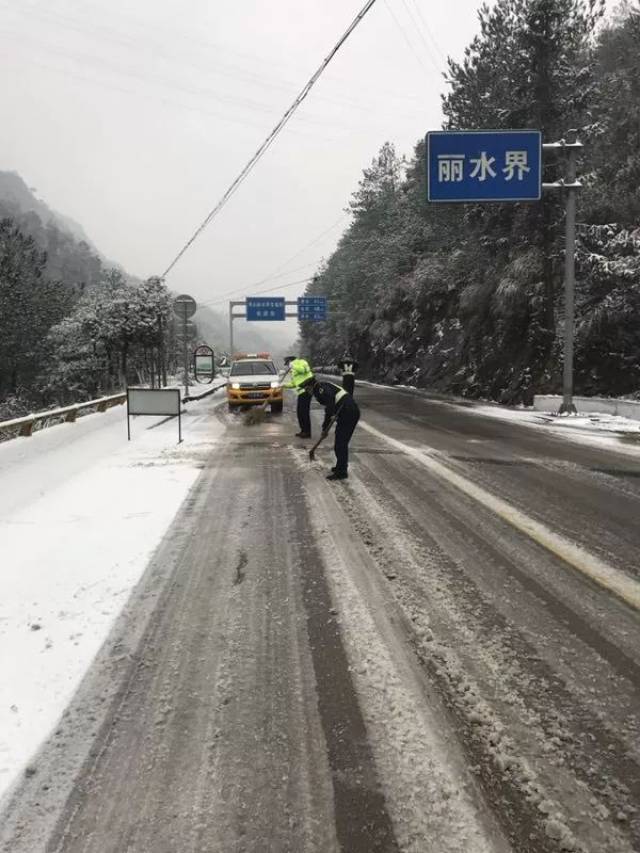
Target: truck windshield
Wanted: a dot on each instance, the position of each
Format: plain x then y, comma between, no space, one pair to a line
253,368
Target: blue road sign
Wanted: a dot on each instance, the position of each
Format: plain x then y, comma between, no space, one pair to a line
484,165
265,307
312,308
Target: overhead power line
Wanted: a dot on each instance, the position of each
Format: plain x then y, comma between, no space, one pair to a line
416,26
304,249
272,136
406,38
258,292
250,288
213,65
432,38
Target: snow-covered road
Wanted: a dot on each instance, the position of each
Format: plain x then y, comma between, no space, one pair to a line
81,511
428,658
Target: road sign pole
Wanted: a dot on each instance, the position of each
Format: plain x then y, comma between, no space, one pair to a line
571,186
185,351
569,285
185,306
231,330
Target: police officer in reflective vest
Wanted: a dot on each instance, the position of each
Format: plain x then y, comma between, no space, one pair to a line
340,406
301,373
347,367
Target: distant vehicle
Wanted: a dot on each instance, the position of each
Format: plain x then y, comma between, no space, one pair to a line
253,379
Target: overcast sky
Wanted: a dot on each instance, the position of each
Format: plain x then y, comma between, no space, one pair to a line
133,118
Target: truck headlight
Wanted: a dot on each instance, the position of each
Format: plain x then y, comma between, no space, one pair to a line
275,384
235,386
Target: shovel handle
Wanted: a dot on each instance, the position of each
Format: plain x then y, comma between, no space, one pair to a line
312,452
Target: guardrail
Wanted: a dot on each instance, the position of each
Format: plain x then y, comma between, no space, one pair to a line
191,398
25,424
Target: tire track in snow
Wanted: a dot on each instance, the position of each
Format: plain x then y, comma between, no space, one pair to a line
500,699
608,577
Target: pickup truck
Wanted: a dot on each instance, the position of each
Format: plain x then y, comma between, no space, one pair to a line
252,380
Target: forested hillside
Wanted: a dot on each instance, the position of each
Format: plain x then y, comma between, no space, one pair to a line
468,298
70,257
73,327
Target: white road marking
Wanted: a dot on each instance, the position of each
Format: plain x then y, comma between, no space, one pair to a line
588,564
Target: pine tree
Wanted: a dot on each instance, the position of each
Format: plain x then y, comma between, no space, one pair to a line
530,67
30,304
469,297
117,334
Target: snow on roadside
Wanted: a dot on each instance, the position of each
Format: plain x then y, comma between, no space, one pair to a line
610,432
594,422
79,519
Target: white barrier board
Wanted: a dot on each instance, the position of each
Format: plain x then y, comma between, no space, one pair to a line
153,401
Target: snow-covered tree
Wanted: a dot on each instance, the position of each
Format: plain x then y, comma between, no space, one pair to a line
116,334
30,304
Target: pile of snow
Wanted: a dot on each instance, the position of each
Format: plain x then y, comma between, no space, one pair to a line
592,422
81,511
595,422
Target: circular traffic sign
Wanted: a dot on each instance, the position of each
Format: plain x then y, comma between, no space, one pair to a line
184,305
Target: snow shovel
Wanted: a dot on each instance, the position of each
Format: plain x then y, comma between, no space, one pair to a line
312,452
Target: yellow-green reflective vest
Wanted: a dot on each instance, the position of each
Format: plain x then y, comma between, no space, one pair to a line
300,372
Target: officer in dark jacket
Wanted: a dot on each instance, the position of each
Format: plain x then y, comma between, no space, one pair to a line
347,367
341,407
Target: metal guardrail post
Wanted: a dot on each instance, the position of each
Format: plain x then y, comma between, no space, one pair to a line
27,428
